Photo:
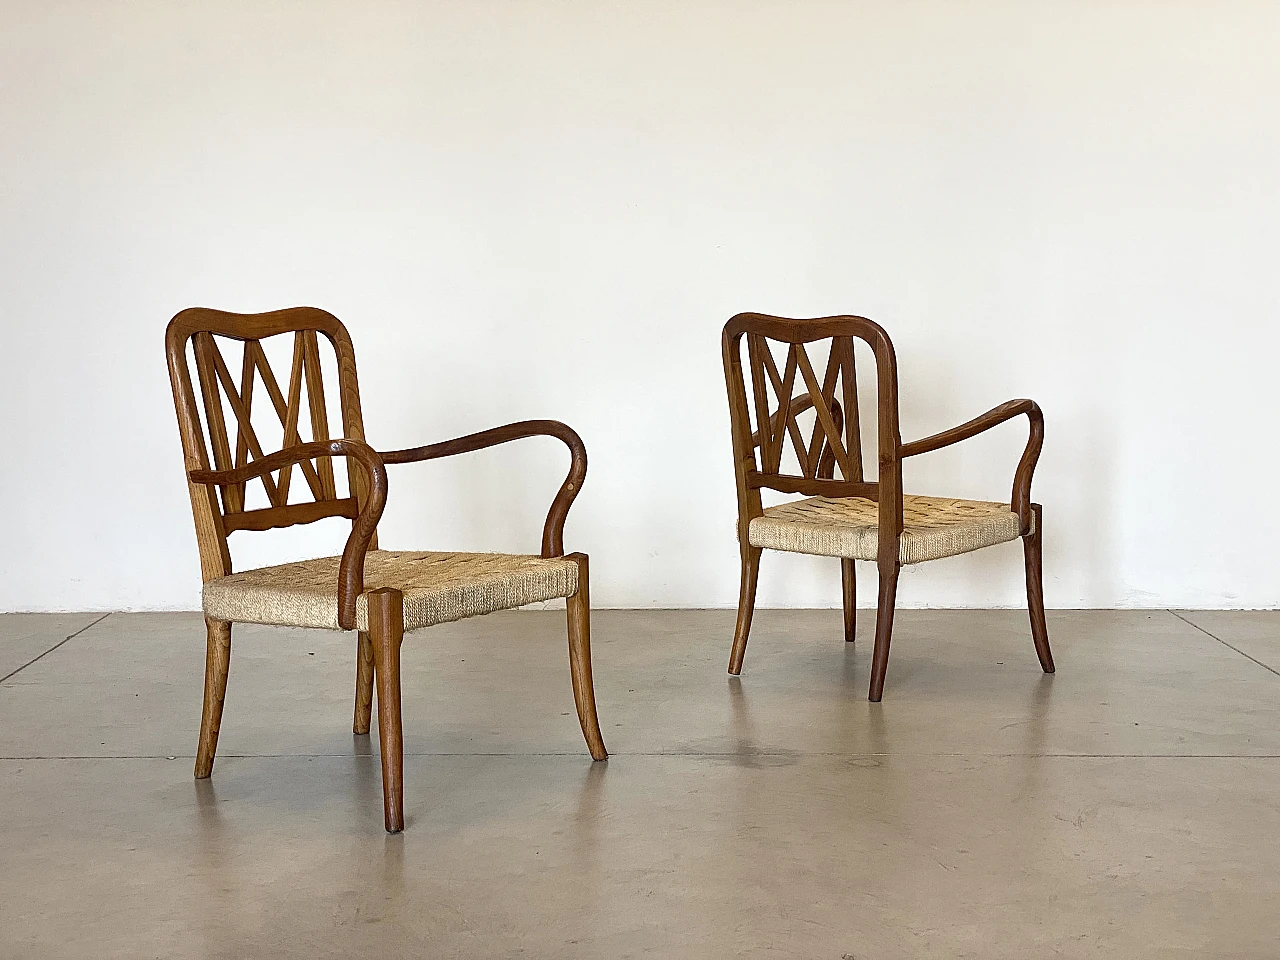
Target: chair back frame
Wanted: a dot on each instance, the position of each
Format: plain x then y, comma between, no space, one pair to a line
216,516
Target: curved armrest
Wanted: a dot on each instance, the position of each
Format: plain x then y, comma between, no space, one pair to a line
351,569
553,529
1021,499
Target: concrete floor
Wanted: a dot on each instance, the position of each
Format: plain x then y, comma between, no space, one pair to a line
1127,807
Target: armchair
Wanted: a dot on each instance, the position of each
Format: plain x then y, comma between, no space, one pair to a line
852,518
380,594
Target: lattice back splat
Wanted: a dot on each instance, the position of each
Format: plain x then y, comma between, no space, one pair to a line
205,333
834,439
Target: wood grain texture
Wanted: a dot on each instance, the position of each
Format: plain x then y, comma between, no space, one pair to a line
843,349
288,410
888,593
215,558
815,487
822,407
579,626
319,411
352,418
205,350
849,601
820,443
217,663
248,367
744,444
1033,554
244,428
826,461
271,518
750,575
364,684
386,633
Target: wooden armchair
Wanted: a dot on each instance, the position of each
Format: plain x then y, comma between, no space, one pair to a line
852,518
379,593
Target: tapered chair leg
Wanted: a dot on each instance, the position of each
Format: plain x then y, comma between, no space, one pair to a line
364,684
386,631
1033,552
584,695
848,581
884,628
746,606
217,660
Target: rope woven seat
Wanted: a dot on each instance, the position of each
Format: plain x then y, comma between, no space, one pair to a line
437,587
933,527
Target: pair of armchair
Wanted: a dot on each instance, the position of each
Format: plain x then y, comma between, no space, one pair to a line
383,594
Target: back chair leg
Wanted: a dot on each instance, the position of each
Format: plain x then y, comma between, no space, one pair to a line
386,631
217,660
364,684
584,696
746,606
884,628
1032,549
848,581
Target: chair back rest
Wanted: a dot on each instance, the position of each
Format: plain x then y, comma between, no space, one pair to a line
767,426
200,335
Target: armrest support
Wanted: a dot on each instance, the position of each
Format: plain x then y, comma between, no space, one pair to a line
553,528
351,569
1020,501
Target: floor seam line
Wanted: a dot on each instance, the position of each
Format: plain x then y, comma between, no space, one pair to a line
1225,644
684,757
55,646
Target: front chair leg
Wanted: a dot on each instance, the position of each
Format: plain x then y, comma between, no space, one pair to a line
364,684
746,606
386,631
849,583
584,696
1033,552
884,627
217,660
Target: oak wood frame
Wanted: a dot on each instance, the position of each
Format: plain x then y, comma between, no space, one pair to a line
217,475
836,441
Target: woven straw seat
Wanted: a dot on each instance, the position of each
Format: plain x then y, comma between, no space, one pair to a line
437,587
933,527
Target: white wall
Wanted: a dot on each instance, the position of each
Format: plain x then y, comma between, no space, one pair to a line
549,209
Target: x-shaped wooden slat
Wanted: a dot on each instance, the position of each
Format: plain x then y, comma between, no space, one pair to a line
773,430
244,426
212,369
315,398
822,407
783,386
828,394
287,411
